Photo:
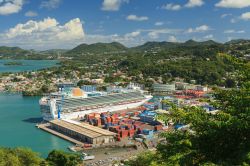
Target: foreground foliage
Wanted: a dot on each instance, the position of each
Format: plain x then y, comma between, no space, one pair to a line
26,157
212,139
220,139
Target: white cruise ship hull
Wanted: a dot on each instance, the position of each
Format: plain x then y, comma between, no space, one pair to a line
49,115
105,109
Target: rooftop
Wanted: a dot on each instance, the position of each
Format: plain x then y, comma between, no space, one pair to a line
83,128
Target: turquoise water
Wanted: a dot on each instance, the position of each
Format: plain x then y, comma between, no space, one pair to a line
18,117
28,65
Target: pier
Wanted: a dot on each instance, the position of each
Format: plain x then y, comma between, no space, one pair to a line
46,128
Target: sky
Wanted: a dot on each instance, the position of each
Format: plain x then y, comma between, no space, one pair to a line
54,24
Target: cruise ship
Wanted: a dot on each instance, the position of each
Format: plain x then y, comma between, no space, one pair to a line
77,102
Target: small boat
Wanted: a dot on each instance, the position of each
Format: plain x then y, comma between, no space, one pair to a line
37,125
85,157
71,148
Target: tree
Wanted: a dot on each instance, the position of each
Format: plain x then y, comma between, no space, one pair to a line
59,158
212,139
19,157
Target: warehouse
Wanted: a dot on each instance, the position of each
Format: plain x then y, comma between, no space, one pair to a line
163,88
83,132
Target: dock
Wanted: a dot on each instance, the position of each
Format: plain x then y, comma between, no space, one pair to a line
46,128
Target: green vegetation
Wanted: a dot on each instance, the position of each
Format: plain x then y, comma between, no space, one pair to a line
38,92
96,48
19,157
26,157
212,139
208,63
12,51
221,139
59,158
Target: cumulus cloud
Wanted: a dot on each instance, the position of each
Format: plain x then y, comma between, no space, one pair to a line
233,31
156,33
133,34
245,16
226,15
159,23
31,14
129,39
172,39
10,6
134,38
233,3
112,5
210,36
50,4
171,6
194,3
133,17
44,34
202,28
189,4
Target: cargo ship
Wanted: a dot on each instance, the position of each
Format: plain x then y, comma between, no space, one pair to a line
77,102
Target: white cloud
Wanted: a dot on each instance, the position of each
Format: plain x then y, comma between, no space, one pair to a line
226,15
128,39
133,17
210,36
10,6
133,34
194,3
134,38
233,31
202,28
233,3
245,16
172,39
31,14
241,31
155,33
159,23
171,6
44,34
50,4
189,4
112,5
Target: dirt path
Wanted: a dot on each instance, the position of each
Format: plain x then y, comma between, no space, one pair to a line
107,156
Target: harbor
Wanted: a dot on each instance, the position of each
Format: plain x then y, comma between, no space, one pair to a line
17,122
119,117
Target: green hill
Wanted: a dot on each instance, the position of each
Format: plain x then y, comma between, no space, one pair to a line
203,43
161,46
155,46
238,41
97,48
12,51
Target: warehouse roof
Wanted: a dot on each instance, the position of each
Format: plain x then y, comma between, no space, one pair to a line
83,128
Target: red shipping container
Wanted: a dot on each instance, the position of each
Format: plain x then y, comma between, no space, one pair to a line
123,114
136,113
116,115
108,120
128,126
131,133
158,127
124,133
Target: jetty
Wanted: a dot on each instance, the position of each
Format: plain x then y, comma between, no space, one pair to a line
46,128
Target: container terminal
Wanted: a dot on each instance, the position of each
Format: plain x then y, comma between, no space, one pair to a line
117,118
